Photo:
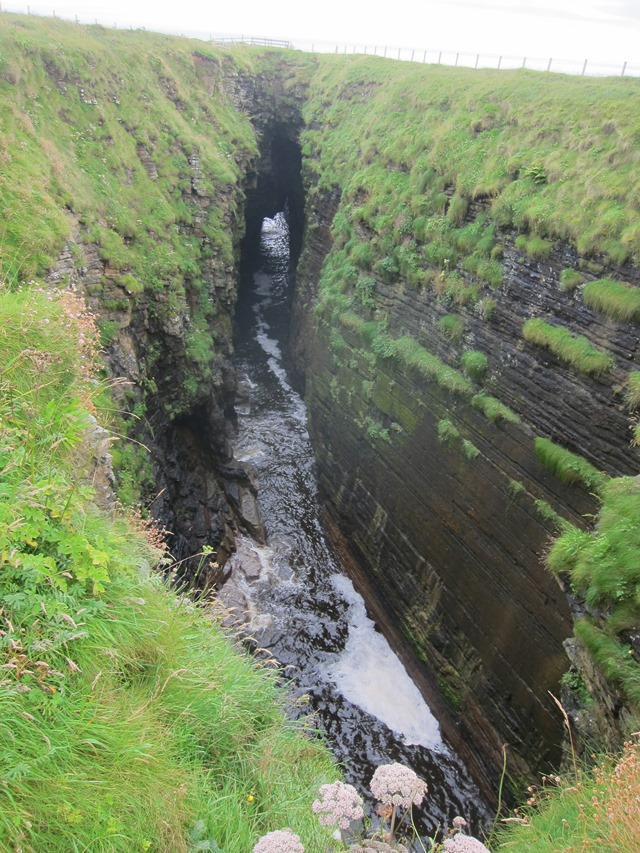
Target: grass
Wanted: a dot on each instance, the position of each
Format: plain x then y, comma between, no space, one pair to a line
574,350
452,327
130,721
493,409
616,299
105,147
474,363
599,810
604,570
570,468
570,279
632,390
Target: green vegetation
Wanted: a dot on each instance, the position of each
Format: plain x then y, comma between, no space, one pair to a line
569,468
632,389
474,363
599,811
572,349
449,434
570,279
452,327
129,721
417,357
614,298
603,568
493,409
396,137
113,137
534,246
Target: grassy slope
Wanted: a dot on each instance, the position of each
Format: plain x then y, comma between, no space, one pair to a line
129,721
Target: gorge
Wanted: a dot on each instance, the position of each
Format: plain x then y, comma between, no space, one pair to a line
464,328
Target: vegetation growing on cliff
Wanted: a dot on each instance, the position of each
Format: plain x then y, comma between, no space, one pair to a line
129,720
603,568
119,141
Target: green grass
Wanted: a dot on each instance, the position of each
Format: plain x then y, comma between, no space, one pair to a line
474,363
570,279
493,409
452,327
569,468
603,568
575,350
129,720
415,356
632,390
613,298
534,246
583,810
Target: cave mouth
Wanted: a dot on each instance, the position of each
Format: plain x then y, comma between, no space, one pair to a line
277,188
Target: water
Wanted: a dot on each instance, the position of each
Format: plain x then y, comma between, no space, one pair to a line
301,606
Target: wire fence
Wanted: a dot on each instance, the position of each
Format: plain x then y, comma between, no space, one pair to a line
461,59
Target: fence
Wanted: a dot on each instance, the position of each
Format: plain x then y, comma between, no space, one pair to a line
460,59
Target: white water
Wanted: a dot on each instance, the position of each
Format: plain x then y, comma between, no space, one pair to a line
371,676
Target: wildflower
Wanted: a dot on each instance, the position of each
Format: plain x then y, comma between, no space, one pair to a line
339,805
397,785
459,823
279,841
464,844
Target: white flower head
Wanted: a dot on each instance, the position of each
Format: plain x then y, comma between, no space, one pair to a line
338,805
279,841
397,785
464,844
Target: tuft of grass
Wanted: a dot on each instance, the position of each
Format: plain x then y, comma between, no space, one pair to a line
493,409
474,363
452,327
614,298
413,355
448,433
570,279
603,568
569,468
575,350
535,247
632,390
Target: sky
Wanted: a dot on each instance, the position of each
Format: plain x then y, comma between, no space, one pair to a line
605,31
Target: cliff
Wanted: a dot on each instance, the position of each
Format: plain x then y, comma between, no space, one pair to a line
464,324
454,435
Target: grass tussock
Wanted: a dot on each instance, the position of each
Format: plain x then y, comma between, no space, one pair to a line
569,468
603,568
130,721
613,298
575,350
632,390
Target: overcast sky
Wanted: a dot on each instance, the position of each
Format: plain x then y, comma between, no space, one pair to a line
598,30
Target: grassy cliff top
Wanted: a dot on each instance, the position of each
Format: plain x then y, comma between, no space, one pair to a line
554,155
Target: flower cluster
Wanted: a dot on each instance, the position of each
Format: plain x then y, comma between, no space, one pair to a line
397,785
279,841
464,844
338,805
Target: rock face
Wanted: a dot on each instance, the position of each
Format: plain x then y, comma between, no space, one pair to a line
448,537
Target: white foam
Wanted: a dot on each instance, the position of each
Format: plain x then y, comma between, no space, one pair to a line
370,675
